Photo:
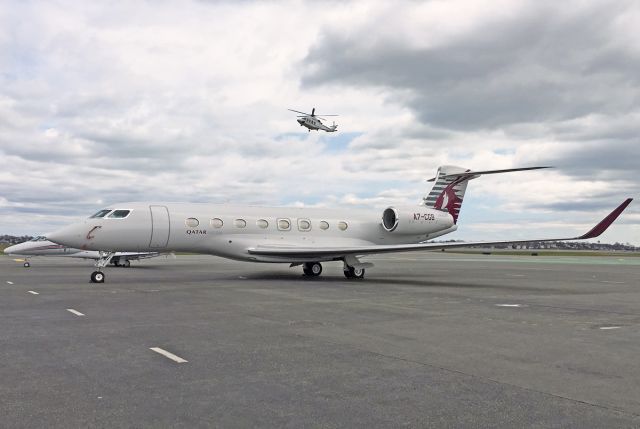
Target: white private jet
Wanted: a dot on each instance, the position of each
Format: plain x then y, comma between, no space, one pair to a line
41,246
297,236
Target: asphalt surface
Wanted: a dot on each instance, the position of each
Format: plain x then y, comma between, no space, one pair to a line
425,340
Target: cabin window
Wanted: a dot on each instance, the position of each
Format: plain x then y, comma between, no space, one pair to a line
119,214
240,223
324,225
216,222
304,225
262,223
192,222
342,226
101,213
284,224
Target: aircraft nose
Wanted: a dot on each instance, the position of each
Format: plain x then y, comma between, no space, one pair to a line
69,235
9,250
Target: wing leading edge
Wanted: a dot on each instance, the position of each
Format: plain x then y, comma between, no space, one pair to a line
309,252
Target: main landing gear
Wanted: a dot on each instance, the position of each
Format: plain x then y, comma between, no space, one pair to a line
98,276
314,269
354,273
353,268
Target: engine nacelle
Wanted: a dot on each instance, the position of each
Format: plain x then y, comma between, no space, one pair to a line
416,220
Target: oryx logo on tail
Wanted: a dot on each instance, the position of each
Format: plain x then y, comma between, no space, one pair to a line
448,191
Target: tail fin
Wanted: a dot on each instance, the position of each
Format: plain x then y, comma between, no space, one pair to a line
450,185
448,190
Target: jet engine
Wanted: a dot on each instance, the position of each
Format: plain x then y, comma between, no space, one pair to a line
415,220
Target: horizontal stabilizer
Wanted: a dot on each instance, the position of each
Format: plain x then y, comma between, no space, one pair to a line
480,173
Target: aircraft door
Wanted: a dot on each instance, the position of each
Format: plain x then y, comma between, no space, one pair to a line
160,226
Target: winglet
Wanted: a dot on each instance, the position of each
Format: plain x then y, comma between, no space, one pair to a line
604,223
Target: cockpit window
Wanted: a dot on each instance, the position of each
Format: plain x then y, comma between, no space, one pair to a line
101,213
39,238
119,214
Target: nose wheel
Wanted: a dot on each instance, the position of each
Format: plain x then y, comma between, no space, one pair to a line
97,277
26,264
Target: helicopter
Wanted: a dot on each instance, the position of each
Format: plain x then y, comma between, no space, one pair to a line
313,122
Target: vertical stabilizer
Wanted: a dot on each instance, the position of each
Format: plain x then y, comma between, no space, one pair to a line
448,190
451,183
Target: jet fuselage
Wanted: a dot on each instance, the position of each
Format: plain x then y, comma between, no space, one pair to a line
230,230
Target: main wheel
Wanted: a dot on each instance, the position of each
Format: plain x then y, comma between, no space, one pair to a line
354,273
126,263
26,265
312,269
97,277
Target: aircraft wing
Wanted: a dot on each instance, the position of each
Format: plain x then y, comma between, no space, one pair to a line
310,252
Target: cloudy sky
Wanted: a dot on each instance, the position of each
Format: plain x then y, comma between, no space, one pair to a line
102,102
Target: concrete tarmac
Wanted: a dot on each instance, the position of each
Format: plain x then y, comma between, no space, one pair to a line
425,340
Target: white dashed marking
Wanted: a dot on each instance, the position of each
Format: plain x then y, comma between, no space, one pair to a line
168,354
33,292
8,282
604,328
76,312
508,305
612,282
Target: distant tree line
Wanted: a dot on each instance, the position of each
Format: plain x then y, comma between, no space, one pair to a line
12,239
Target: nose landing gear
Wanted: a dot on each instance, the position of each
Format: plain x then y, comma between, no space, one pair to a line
98,276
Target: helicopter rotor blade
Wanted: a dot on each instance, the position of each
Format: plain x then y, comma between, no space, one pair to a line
297,111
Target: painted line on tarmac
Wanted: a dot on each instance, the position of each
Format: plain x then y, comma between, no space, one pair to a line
76,312
508,305
515,275
605,328
8,282
33,292
168,355
612,282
